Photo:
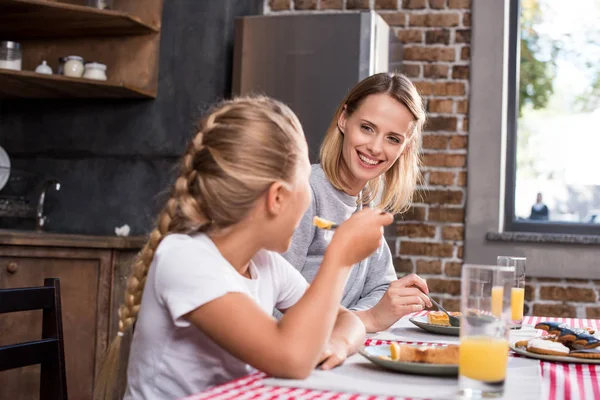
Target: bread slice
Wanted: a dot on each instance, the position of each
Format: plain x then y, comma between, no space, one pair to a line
429,354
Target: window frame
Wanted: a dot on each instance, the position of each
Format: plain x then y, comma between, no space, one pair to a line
510,224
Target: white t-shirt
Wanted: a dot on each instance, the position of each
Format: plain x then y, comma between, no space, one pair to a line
170,358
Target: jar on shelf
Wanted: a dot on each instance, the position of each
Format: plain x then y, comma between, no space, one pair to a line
10,55
73,67
96,71
61,65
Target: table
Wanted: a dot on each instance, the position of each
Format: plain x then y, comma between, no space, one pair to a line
559,380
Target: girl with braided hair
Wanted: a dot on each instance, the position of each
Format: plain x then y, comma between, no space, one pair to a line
204,287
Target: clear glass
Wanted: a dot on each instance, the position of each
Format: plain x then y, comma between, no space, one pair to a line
517,293
485,308
10,55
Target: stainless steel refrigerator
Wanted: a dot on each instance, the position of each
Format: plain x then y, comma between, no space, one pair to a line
309,61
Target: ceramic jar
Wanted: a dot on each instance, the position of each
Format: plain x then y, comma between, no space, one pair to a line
73,67
96,71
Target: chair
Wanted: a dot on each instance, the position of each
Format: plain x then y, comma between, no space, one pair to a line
49,351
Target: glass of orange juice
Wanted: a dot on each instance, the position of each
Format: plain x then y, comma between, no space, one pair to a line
517,292
485,308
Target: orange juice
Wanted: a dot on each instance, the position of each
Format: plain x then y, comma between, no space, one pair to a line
517,300
483,358
497,297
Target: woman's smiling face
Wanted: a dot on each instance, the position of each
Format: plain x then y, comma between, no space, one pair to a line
375,136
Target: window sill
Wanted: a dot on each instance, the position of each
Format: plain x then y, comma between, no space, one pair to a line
531,237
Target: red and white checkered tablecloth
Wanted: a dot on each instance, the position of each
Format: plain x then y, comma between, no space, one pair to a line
560,381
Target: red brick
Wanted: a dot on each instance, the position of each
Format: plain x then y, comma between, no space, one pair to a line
278,5
426,249
529,292
439,106
331,4
440,124
403,265
462,179
414,4
394,19
444,214
429,267
449,88
572,280
463,36
548,279
437,4
453,233
592,312
460,251
413,214
441,178
467,19
441,20
439,196
438,36
305,4
435,142
444,160
415,230
451,304
435,71
458,142
424,88
569,294
460,72
410,35
445,286
411,70
462,106
419,53
357,4
459,4
453,268
465,125
554,310
385,4
465,53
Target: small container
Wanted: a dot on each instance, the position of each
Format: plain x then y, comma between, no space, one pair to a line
43,68
73,67
61,65
10,55
96,71
100,4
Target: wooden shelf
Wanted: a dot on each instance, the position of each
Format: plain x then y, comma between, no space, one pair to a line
31,85
33,19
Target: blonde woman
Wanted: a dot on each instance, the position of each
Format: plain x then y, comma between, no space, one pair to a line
204,287
370,154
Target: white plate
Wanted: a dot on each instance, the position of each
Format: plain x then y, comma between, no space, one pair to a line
522,351
422,323
374,354
4,167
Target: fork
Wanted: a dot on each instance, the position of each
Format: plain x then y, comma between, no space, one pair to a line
453,320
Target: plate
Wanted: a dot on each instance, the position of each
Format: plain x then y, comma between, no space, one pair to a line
422,323
374,354
4,167
565,359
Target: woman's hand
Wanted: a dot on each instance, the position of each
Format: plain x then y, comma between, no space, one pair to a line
404,296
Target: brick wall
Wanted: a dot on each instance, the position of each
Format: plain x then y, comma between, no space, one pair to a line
432,47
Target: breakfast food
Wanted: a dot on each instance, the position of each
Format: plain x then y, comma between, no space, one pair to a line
440,318
541,346
424,354
586,353
573,337
323,223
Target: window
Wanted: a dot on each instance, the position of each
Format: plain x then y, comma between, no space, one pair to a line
553,157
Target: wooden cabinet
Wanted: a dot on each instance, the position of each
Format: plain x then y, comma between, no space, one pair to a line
92,282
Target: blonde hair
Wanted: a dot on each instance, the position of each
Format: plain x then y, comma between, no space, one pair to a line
400,181
240,149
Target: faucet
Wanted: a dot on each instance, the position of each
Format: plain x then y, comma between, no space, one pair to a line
41,219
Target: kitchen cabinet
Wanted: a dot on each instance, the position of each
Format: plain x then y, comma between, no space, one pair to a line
92,277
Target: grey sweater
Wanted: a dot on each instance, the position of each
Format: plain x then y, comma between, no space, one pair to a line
370,278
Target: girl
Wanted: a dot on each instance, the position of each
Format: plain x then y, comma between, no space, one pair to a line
370,152
204,287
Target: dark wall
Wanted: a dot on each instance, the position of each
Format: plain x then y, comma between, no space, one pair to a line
113,158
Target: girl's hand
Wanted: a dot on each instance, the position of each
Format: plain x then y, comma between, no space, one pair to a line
404,296
333,354
358,237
